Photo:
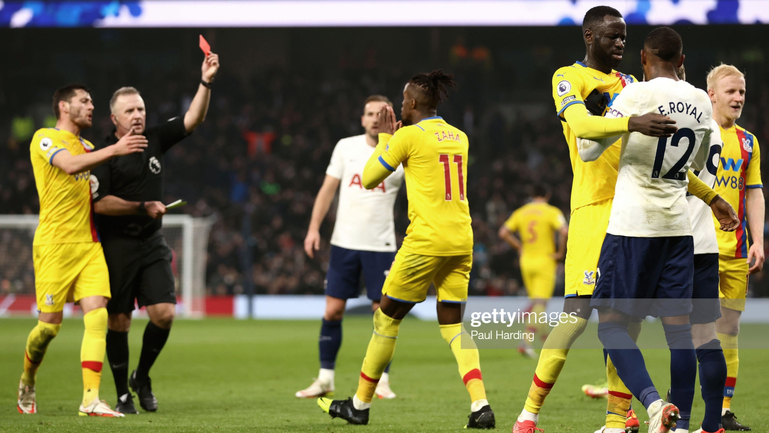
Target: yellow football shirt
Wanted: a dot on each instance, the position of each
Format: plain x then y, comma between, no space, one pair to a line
66,211
739,169
434,158
536,223
594,181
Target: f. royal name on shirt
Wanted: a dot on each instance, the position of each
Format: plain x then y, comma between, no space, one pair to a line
682,108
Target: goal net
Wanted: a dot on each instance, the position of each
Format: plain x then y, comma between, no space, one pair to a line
187,237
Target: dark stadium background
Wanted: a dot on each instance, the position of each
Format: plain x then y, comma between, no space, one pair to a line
283,98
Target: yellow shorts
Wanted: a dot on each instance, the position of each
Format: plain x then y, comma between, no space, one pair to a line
587,229
733,282
68,273
411,275
538,274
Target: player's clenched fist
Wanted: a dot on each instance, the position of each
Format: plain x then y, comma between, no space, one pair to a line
130,143
653,125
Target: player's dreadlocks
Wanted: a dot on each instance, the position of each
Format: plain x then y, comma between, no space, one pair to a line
434,85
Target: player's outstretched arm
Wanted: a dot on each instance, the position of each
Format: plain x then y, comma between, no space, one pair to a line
756,214
116,206
619,120
319,211
700,189
73,164
196,114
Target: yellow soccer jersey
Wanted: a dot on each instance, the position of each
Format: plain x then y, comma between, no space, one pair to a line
66,211
536,224
740,169
434,158
593,181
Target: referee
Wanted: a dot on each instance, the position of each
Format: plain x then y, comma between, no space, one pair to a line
126,194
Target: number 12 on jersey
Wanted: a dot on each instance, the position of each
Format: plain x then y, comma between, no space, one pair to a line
446,161
674,172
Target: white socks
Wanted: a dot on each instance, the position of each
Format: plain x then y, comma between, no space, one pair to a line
358,404
326,376
385,377
528,416
478,404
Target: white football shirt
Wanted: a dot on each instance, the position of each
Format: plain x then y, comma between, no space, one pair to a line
650,196
364,219
700,214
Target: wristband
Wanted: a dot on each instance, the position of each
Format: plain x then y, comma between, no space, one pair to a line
142,209
206,85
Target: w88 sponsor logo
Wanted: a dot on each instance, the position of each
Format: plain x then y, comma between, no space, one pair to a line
734,182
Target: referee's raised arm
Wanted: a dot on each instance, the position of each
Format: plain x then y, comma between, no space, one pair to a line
196,114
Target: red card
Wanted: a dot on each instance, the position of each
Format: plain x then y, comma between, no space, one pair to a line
204,46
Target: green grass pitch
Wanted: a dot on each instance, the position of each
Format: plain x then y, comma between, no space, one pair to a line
223,375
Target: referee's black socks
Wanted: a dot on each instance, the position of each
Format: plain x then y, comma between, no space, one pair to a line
155,338
117,354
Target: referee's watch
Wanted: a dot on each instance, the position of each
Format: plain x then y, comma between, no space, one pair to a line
142,209
206,84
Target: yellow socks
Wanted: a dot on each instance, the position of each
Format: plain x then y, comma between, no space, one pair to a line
92,352
551,361
379,353
729,344
619,396
37,344
468,360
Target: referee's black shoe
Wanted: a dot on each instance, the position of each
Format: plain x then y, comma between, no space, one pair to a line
344,409
143,390
125,404
729,422
483,418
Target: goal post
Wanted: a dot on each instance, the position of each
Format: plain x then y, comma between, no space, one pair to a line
187,237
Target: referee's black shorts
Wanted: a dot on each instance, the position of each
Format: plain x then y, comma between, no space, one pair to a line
139,269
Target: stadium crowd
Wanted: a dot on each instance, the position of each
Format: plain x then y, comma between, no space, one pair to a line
258,161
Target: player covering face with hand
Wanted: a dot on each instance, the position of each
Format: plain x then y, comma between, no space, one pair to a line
434,156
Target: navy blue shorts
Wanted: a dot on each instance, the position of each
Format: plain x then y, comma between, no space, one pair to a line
706,307
645,276
344,272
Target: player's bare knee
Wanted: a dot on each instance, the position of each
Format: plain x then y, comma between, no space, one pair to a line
578,306
703,333
119,322
51,318
374,306
729,322
162,315
334,312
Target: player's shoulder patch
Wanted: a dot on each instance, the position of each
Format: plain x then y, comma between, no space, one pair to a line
563,87
45,139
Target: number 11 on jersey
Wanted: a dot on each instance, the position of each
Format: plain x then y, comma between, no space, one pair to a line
447,176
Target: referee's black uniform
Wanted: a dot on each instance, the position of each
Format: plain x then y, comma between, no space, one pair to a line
138,258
